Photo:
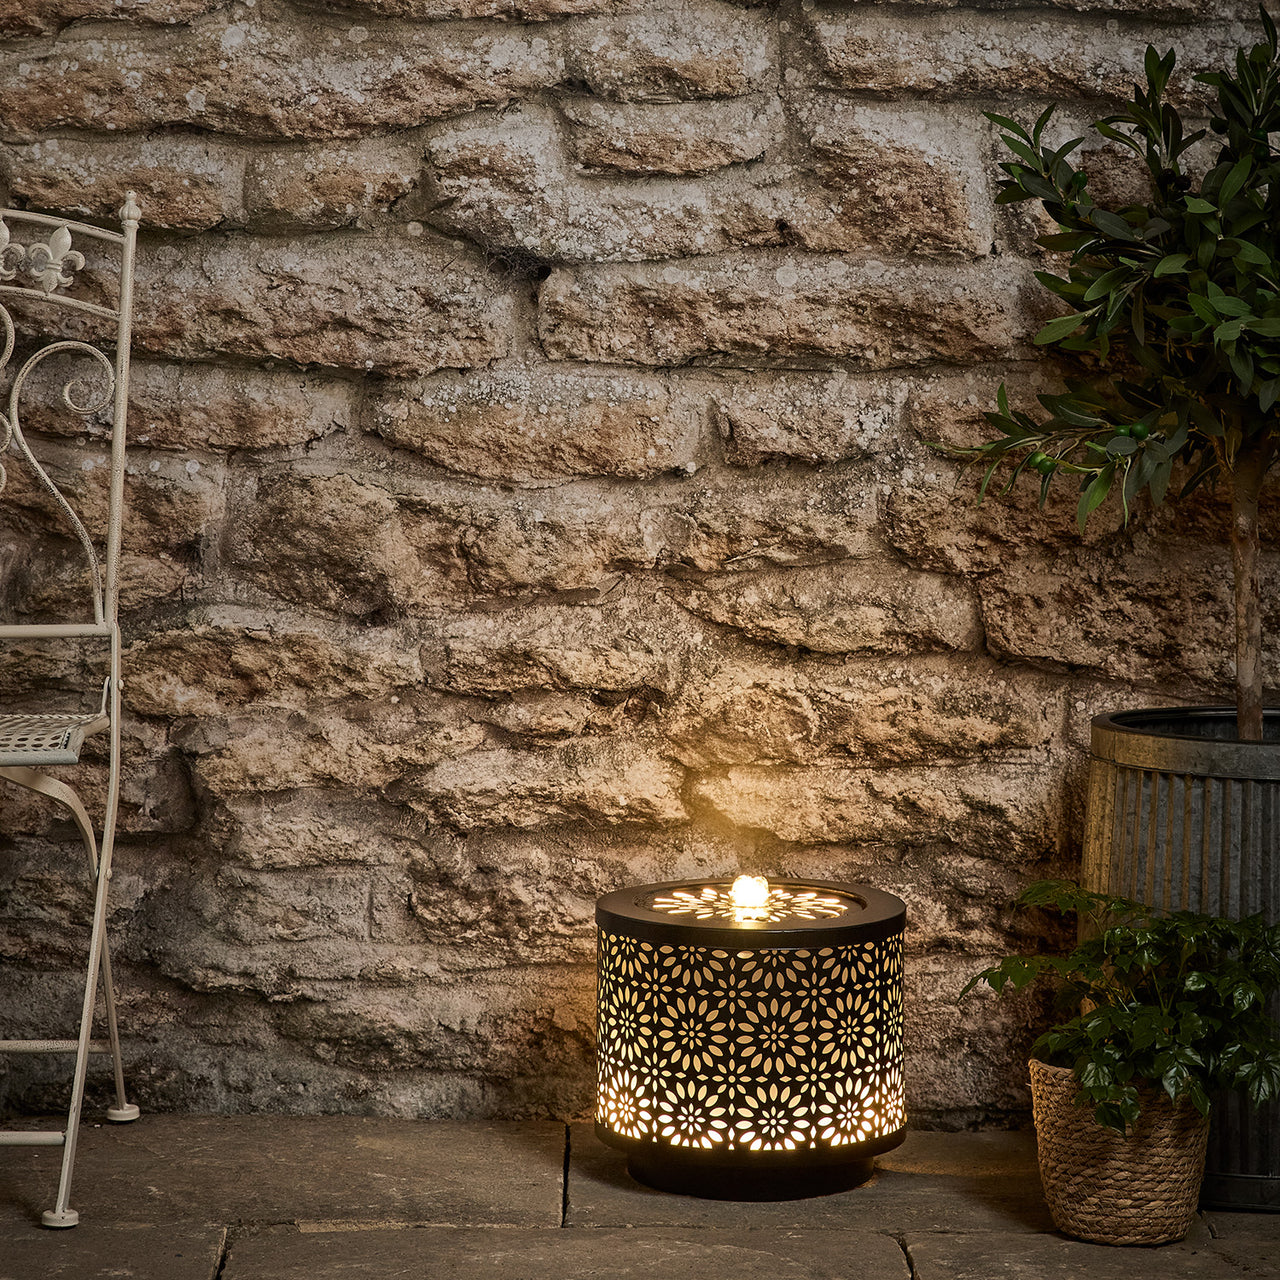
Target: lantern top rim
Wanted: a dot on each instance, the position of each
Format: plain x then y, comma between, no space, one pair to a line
812,913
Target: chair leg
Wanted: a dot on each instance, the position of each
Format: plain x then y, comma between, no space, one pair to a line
61,1215
124,1110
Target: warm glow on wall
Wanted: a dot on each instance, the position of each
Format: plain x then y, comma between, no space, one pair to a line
750,1035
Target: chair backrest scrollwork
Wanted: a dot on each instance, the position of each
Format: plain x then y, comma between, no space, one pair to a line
39,266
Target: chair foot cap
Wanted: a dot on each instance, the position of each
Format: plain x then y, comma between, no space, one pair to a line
67,1218
122,1115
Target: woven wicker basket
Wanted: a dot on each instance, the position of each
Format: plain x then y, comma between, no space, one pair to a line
1137,1188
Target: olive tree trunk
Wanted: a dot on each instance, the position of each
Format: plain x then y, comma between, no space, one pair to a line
1246,485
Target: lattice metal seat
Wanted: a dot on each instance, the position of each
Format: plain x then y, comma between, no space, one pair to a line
38,740
35,266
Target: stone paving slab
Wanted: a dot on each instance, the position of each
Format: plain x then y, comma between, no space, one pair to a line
1250,1241
1261,1228
933,1182
93,1251
994,1255
279,1169
343,1198
504,1254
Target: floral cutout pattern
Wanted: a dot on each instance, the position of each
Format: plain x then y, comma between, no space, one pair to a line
774,1049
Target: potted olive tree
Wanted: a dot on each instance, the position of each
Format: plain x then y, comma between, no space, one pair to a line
1171,323
1161,1010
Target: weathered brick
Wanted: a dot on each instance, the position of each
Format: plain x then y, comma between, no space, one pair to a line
1205,10
397,303
870,179
771,310
596,782
681,138
711,51
1117,597
249,78
1052,55
38,17
378,744
897,179
182,183
512,10
521,1032
1003,812
333,186
531,424
314,828
252,908
232,663
622,644
205,406
200,407
752,522
806,417
850,607
504,183
330,541
919,710
583,536
574,538
930,510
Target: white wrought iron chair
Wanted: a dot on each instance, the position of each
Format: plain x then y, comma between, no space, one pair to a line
36,267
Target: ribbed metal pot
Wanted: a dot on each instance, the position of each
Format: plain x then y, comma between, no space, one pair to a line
1183,816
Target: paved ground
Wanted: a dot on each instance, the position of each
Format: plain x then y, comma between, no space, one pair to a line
339,1198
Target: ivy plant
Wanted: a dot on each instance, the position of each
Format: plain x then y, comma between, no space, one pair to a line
1171,318
1173,1001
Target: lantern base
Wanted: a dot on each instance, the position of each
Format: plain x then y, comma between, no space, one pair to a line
738,1180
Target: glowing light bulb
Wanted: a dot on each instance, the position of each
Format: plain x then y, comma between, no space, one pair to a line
750,898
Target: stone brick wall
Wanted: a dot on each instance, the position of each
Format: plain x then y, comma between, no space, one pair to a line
530,495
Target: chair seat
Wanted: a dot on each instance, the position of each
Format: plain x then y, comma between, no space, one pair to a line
36,740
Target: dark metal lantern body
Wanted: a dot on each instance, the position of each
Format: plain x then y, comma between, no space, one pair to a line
750,1059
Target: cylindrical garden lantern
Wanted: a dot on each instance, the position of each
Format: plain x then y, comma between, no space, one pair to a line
750,1035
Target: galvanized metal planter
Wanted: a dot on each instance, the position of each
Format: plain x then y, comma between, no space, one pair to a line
1181,815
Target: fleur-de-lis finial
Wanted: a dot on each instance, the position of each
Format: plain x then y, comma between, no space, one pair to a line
46,261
